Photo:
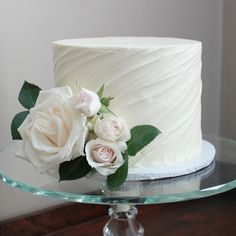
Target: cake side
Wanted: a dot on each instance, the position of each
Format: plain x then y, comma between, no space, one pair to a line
158,84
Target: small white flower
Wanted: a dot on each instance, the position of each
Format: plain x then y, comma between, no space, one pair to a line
54,131
87,102
112,128
104,156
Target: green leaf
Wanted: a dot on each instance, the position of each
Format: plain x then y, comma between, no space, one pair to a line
28,95
118,178
140,137
16,123
104,109
74,169
106,101
101,91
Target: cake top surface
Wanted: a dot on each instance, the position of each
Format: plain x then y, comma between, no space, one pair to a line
125,42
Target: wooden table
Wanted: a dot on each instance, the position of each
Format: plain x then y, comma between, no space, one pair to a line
214,216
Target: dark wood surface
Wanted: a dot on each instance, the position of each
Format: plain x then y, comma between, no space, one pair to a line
214,216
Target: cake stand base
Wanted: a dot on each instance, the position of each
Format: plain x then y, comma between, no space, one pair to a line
123,222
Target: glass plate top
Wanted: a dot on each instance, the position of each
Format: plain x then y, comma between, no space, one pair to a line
219,177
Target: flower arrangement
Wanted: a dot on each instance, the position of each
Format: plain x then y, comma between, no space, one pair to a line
75,134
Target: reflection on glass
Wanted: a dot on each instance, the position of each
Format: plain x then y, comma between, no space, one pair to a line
220,176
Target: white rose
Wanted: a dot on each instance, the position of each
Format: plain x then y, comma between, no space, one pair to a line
87,102
112,128
54,131
104,156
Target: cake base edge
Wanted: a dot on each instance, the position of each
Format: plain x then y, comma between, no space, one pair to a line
203,159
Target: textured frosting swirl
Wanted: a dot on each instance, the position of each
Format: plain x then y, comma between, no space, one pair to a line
154,81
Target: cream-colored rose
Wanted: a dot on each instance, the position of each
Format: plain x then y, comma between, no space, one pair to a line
54,131
112,128
87,102
104,156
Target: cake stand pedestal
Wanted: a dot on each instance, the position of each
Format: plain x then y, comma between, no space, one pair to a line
123,222
219,177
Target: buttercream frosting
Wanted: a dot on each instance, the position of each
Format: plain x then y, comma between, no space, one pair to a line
154,81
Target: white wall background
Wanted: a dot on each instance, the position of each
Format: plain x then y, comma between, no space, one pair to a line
228,82
28,27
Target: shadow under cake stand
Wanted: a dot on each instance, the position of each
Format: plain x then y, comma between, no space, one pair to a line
218,177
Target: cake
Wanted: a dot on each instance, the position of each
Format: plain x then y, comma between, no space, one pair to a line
154,80
125,108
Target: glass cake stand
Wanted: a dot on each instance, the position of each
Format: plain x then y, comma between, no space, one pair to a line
219,177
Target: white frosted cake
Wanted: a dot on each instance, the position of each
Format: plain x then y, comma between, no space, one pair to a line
154,81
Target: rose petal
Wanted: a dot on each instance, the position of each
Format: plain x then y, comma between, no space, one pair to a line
104,168
54,131
112,128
